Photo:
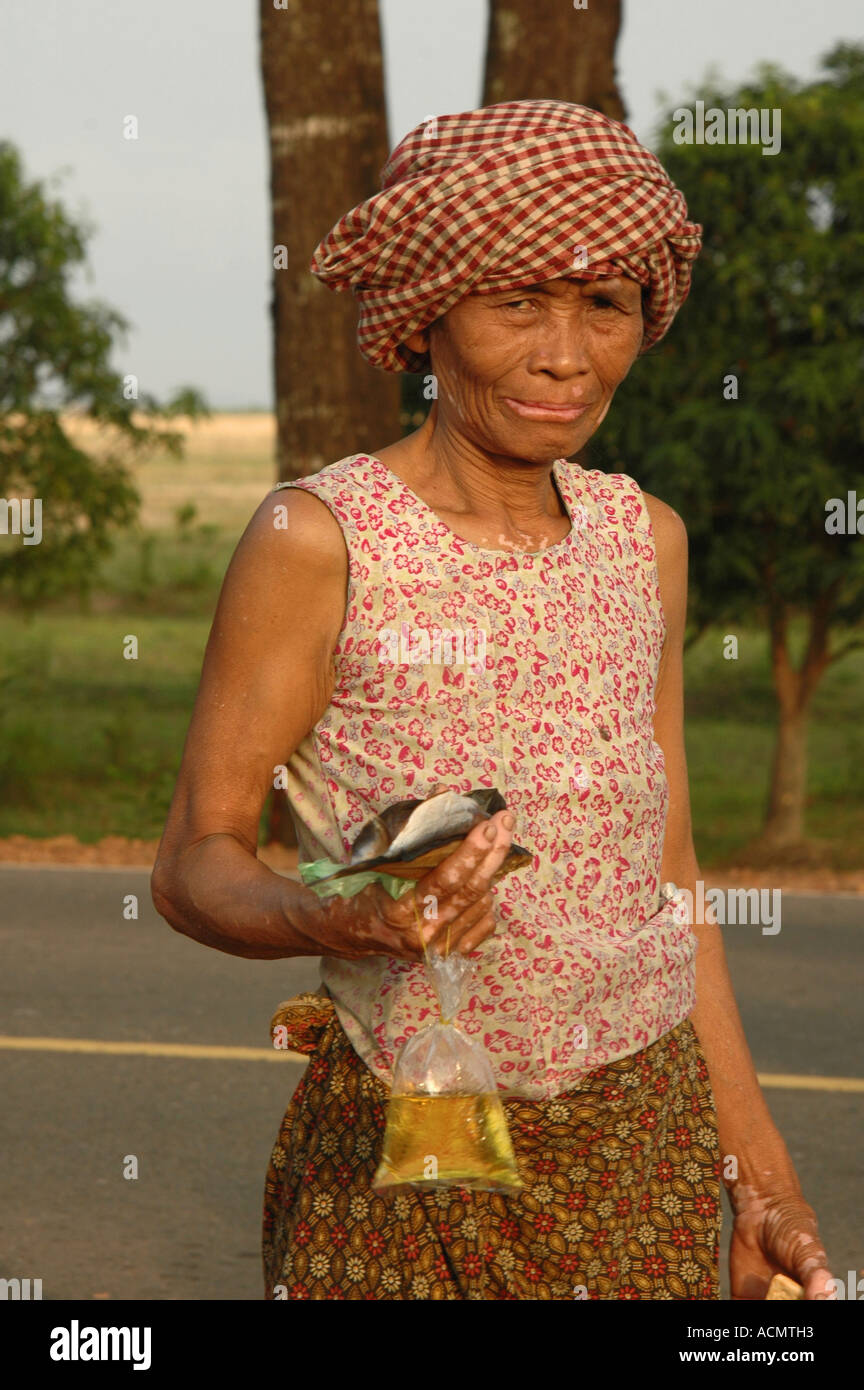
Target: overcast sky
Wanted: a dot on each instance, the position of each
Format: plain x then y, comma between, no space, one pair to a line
182,241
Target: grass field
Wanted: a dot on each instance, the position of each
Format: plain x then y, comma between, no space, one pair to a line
90,743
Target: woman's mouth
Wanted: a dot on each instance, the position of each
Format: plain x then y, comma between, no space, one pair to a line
544,410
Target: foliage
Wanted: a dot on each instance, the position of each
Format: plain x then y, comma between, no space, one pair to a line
54,359
777,301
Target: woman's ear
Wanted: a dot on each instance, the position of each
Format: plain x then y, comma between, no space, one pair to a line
419,341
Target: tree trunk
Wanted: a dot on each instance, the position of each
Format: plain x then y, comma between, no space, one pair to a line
554,51
784,819
783,829
324,96
322,72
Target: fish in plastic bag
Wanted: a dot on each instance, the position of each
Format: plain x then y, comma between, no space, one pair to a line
408,839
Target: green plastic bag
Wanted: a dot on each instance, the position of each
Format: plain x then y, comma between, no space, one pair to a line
315,870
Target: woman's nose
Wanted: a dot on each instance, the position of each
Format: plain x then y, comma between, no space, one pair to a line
561,346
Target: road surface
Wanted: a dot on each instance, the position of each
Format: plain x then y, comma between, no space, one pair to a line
201,1126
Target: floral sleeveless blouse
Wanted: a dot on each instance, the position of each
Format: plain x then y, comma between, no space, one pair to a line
461,667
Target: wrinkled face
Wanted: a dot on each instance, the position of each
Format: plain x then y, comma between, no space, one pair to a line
531,373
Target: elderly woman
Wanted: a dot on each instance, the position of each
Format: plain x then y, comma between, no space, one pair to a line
525,255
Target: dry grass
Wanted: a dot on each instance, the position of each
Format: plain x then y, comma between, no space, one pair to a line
227,468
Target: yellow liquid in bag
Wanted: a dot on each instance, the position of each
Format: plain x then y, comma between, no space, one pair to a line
448,1141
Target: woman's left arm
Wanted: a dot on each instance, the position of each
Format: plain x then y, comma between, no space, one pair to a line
775,1230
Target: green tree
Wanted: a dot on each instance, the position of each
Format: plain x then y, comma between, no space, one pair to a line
54,361
748,417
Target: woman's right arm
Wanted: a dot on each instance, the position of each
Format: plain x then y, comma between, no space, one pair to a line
266,681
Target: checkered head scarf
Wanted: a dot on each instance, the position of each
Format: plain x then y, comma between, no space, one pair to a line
501,198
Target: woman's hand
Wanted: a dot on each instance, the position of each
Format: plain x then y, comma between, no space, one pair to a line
776,1233
372,923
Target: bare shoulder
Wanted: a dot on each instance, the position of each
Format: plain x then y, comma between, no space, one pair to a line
303,520
667,524
670,547
291,560
670,534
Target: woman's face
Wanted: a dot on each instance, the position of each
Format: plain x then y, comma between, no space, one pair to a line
503,361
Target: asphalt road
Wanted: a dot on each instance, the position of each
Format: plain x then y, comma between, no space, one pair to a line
201,1129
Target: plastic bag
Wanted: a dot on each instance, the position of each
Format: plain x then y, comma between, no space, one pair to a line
317,874
446,1124
445,1121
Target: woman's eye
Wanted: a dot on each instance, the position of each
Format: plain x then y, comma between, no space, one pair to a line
604,303
514,303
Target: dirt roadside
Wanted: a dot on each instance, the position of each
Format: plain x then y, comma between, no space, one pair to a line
115,851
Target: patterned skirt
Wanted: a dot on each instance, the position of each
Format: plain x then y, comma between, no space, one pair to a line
621,1195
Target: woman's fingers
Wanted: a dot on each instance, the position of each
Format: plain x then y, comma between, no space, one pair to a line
451,904
477,934
467,873
408,938
397,933
448,936
457,902
464,933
